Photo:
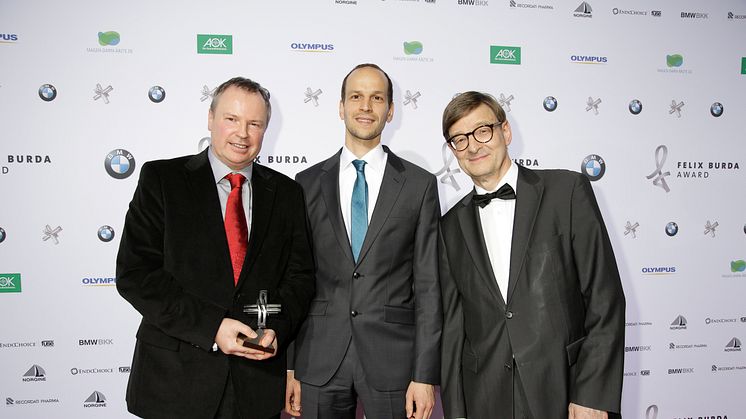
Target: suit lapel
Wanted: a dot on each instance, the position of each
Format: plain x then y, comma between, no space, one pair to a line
330,193
264,191
530,191
471,228
391,186
201,181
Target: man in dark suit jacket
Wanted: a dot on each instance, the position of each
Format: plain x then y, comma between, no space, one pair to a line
190,276
532,300
373,330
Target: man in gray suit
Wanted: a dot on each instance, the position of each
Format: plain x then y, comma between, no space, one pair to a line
373,330
532,300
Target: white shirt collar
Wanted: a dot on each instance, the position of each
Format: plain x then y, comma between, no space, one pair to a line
219,169
374,159
510,177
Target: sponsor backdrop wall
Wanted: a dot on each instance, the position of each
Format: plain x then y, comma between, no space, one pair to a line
646,98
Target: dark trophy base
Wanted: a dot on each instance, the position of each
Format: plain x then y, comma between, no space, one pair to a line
253,343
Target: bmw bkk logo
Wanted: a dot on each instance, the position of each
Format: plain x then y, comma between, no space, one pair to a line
2,234
593,166
635,107
672,228
47,92
717,109
119,164
550,103
156,94
106,234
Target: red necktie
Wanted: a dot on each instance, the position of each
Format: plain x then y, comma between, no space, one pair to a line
235,224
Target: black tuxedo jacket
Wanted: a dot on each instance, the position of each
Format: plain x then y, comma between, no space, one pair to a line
389,302
563,322
174,268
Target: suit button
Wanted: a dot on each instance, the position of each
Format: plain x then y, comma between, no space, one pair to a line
353,313
356,275
509,314
507,366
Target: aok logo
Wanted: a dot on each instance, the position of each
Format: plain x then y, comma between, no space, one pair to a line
214,44
505,55
10,283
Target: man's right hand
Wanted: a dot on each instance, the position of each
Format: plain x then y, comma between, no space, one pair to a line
227,340
292,395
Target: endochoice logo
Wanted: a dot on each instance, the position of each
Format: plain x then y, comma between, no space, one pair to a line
589,59
10,283
98,282
8,38
302,47
505,55
214,44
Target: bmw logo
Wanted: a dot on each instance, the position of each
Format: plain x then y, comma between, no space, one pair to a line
106,234
593,166
47,92
717,109
672,228
2,234
635,107
550,103
119,163
156,94
203,144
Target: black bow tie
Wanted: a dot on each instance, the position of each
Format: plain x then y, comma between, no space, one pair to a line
505,192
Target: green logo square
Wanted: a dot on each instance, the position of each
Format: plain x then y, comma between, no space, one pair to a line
505,55
743,65
10,282
214,44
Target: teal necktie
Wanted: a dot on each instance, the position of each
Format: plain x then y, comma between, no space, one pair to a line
359,222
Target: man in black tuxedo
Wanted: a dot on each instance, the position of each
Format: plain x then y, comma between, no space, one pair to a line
532,300
203,236
373,329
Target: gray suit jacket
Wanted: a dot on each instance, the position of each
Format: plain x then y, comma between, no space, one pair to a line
563,322
393,290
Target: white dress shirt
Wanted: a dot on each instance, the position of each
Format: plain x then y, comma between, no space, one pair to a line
219,171
497,229
375,165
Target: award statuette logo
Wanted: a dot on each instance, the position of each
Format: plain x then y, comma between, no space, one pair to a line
262,309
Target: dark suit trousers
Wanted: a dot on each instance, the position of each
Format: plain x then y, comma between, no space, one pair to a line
337,399
228,408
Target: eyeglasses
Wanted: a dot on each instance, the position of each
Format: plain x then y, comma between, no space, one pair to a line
482,134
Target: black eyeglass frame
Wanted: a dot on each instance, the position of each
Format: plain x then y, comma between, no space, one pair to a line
472,133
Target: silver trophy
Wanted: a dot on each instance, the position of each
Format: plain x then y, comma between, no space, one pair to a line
262,309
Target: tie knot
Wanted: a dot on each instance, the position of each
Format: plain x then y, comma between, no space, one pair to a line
236,179
359,165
